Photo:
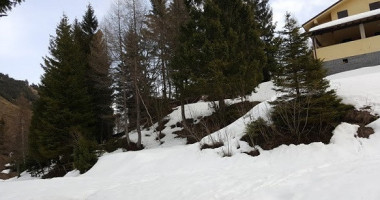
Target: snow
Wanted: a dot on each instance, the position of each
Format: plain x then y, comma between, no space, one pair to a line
345,169
6,171
346,20
359,87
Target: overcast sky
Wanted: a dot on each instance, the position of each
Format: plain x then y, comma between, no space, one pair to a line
24,33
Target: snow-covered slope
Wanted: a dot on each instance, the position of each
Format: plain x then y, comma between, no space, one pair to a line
345,169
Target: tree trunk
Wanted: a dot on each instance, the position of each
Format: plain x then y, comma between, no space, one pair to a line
125,112
135,76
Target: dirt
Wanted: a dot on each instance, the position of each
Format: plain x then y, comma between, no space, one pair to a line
214,145
160,136
161,125
253,153
362,118
365,132
210,124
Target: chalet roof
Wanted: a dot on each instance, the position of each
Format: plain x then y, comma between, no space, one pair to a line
336,3
346,20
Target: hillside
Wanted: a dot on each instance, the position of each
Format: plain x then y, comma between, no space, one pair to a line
11,89
15,115
344,169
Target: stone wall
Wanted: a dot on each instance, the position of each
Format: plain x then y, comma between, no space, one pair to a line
351,63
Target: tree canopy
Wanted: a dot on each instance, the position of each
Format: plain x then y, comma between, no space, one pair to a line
7,5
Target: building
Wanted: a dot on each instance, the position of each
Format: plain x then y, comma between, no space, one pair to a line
346,35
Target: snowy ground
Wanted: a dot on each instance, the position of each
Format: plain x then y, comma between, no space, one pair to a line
345,169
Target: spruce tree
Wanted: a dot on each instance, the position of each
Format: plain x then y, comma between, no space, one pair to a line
185,57
101,87
222,52
89,24
7,5
64,106
84,157
307,111
178,15
264,18
97,75
157,32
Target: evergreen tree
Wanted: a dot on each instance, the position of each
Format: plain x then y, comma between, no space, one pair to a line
178,15
64,106
7,5
97,73
157,31
223,54
89,24
101,90
264,18
186,56
84,156
307,111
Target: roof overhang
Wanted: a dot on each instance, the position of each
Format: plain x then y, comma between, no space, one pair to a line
329,8
346,22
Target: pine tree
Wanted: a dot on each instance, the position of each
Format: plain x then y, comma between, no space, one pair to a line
307,111
185,57
264,18
89,25
64,105
97,73
7,5
178,15
157,33
222,52
84,156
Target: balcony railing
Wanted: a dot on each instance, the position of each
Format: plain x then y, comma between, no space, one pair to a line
348,49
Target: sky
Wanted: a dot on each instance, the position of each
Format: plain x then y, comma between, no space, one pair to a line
26,31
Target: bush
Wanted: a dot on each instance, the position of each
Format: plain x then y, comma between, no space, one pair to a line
84,155
309,118
258,132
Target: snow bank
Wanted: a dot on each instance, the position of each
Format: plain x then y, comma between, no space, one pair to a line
348,168
359,87
194,111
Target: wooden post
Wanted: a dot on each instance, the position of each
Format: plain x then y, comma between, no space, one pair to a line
314,47
362,31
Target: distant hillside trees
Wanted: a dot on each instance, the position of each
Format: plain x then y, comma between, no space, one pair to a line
12,89
2,134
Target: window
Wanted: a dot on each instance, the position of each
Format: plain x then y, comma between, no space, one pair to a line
374,6
342,14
